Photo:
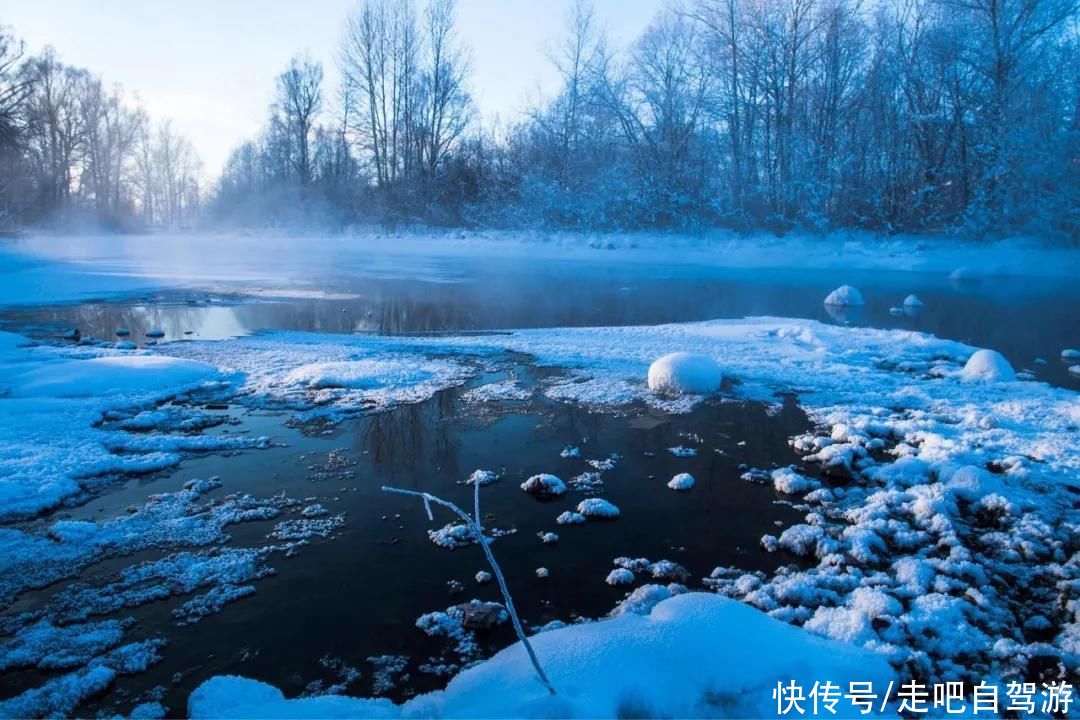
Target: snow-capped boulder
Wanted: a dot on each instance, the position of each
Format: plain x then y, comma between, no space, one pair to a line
1074,370
682,481
619,576
1070,354
845,296
987,366
544,486
913,301
683,372
597,508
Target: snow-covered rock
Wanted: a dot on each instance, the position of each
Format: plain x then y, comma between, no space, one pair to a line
683,372
1070,354
544,486
548,538
542,572
570,518
846,296
682,481
987,366
483,577
913,301
1074,370
619,576
597,508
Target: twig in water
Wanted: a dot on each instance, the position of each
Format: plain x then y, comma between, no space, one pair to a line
478,529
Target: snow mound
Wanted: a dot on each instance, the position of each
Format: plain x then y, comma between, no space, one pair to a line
913,301
987,366
102,376
597,508
845,295
683,372
1074,370
356,374
570,518
1070,354
619,576
544,485
682,481
693,648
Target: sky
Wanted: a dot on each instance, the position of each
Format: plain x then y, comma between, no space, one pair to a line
209,65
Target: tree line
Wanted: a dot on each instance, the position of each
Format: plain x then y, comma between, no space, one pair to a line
898,115
74,150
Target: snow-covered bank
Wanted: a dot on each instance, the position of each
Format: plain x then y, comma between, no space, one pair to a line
689,657
67,416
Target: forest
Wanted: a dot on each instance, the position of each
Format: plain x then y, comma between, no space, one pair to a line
959,116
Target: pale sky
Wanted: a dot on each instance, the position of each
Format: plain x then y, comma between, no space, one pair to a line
210,64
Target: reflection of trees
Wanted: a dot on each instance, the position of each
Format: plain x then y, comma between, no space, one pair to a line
409,438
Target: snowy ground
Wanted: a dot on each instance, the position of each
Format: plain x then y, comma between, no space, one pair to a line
940,530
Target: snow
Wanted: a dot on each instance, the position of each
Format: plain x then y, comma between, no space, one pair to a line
1074,370
1070,354
684,372
483,577
54,400
99,376
548,538
597,508
544,486
570,518
542,573
619,576
356,374
987,366
912,301
682,452
691,647
682,481
481,478
845,296
787,481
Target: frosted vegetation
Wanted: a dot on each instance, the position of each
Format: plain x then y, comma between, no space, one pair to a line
804,114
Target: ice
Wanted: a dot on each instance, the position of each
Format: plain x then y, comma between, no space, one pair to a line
597,508
544,486
699,652
683,372
682,452
844,296
987,366
682,481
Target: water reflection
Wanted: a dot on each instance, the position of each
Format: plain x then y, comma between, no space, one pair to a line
1015,316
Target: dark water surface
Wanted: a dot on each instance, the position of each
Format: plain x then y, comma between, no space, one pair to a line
1024,318
358,594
